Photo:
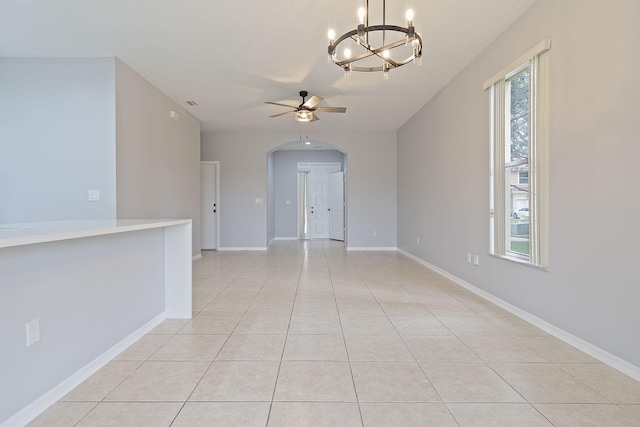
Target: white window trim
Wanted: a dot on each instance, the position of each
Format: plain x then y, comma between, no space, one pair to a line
514,67
538,158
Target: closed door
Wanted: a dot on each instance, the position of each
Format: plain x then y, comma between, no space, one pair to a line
336,206
319,207
209,205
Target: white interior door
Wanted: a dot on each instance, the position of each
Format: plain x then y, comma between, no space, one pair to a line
336,206
209,204
319,198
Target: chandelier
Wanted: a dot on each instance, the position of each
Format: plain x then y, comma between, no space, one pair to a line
391,53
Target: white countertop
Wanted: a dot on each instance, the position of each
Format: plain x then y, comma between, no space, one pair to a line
41,232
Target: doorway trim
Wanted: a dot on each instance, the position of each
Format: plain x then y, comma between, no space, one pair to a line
217,164
296,145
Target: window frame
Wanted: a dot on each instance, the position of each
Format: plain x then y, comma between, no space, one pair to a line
500,208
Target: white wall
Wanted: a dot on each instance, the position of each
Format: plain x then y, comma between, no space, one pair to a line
286,185
271,209
591,289
371,184
158,158
57,139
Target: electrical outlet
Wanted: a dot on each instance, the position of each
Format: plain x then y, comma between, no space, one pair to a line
469,257
476,259
94,195
33,332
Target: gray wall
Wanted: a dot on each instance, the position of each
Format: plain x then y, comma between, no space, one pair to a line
591,289
371,184
286,185
158,158
57,139
59,123
89,294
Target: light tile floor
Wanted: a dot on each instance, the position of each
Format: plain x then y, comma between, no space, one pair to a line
307,334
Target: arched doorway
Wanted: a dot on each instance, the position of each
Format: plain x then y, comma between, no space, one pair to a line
286,194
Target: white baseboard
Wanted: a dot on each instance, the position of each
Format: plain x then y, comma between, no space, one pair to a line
363,248
592,350
234,248
195,257
286,238
35,408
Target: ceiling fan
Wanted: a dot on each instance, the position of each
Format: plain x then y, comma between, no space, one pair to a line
305,112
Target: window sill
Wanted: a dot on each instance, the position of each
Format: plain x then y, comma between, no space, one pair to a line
520,261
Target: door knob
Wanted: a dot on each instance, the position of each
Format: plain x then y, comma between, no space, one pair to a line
214,211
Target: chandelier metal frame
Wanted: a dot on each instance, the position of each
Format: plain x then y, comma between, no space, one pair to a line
361,36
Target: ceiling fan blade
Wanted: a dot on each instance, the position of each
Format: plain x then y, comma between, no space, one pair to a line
282,104
331,109
314,118
313,101
282,114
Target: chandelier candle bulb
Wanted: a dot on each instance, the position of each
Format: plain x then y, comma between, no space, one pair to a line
361,14
409,16
361,24
331,34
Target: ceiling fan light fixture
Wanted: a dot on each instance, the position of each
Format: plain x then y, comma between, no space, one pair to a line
304,116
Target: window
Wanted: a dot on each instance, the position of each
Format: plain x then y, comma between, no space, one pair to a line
523,177
518,162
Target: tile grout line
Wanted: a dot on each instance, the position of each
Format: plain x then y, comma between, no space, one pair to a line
219,350
275,385
344,340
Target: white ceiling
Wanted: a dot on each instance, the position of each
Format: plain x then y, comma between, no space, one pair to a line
231,56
